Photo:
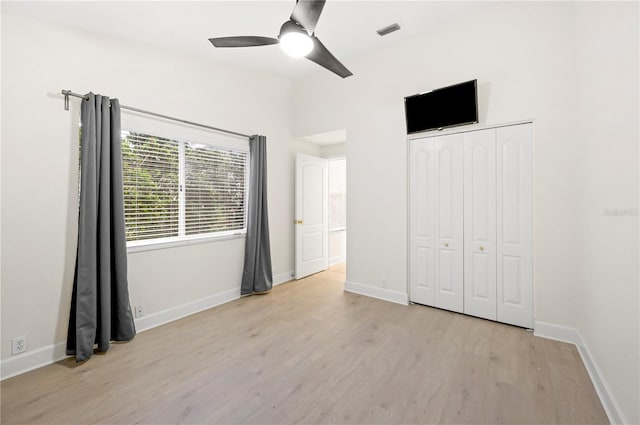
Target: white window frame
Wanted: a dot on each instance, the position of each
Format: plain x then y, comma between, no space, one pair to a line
186,134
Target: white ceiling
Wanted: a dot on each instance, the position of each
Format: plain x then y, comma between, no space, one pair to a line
347,28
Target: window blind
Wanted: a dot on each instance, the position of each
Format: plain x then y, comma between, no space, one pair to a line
215,183
337,194
151,186
174,189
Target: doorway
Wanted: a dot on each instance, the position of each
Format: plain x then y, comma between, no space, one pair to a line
338,213
320,195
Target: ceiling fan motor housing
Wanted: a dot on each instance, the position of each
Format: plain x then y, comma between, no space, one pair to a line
291,26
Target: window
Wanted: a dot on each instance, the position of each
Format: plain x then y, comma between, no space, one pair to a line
337,194
177,190
150,168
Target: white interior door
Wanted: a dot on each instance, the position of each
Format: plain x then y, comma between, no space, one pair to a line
311,219
422,221
515,232
449,220
480,223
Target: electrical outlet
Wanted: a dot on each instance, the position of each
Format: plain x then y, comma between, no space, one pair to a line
139,310
385,283
18,345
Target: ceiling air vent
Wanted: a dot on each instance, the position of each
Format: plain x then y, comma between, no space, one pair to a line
388,29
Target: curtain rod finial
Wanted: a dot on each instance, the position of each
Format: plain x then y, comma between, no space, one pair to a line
66,99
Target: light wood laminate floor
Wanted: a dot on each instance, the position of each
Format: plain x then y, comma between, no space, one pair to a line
310,353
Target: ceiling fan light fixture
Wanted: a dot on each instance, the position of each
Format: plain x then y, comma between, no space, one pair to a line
296,38
296,44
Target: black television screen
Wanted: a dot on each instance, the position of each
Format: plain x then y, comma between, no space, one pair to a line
444,107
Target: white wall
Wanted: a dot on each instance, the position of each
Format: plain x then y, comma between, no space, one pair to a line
39,167
531,61
607,123
522,74
524,57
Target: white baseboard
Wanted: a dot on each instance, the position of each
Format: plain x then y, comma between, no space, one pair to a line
375,292
53,353
337,260
556,332
282,278
32,360
573,336
50,354
175,313
46,355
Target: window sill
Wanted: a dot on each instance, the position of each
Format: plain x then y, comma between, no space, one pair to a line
156,244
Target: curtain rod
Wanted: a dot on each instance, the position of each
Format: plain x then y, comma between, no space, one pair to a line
68,93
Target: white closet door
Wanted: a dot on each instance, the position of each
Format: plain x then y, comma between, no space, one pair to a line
449,220
480,224
514,213
422,221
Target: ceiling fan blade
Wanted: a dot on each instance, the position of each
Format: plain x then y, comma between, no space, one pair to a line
307,13
323,57
243,41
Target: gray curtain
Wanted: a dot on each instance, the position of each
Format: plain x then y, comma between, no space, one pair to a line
100,308
257,276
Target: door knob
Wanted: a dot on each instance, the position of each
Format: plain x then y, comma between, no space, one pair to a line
481,248
446,244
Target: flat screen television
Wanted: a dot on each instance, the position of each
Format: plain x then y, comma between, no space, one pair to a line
445,107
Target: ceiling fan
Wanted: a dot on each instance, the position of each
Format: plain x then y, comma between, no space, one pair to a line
296,38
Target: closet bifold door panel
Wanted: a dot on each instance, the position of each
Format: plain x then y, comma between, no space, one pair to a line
480,224
422,223
448,222
515,225
471,223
